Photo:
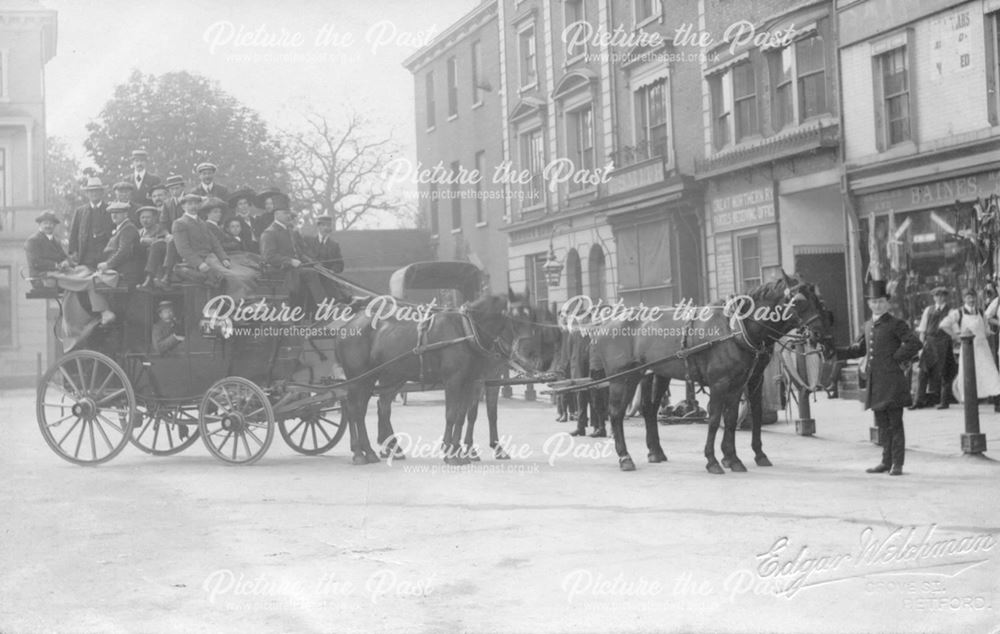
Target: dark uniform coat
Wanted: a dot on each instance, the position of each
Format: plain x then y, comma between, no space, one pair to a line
326,253
43,254
89,233
140,195
125,255
888,346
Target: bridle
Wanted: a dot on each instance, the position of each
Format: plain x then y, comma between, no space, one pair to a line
495,344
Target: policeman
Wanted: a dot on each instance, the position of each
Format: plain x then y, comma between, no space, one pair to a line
888,347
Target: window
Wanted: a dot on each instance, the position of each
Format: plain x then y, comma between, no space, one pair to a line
574,32
783,103
429,90
721,109
580,141
480,166
749,261
537,286
993,66
529,58
456,201
596,272
744,101
651,119
432,198
6,307
647,10
810,67
477,73
452,87
533,161
892,97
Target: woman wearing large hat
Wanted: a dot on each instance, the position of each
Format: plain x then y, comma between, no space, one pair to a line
887,346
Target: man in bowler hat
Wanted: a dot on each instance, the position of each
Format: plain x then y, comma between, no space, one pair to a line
887,346
937,360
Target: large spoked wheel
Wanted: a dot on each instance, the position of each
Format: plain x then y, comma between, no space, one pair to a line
315,433
85,405
164,430
236,421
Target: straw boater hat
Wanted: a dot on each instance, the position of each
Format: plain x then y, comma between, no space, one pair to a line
157,186
119,208
939,290
206,167
174,180
145,209
140,153
48,216
94,183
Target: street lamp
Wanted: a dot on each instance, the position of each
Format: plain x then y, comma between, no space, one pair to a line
552,267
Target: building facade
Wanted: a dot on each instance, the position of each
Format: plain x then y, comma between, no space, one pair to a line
27,42
772,134
458,108
922,143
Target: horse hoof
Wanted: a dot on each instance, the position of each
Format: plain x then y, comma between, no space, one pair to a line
371,458
726,462
737,467
600,433
714,467
472,454
500,454
456,461
657,456
625,464
359,459
762,461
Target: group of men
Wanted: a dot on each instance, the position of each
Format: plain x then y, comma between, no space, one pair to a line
154,234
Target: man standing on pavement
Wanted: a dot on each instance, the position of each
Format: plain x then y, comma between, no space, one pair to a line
937,361
888,347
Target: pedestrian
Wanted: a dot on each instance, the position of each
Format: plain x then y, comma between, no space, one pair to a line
937,359
969,319
208,187
887,346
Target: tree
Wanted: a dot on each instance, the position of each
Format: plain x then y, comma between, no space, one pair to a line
63,178
338,171
182,120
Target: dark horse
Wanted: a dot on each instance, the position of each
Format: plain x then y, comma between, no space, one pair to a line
460,347
546,339
734,344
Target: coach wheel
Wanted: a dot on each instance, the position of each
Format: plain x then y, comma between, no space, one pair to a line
236,421
315,433
164,431
85,405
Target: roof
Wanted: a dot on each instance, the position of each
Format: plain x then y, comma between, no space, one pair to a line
371,255
460,29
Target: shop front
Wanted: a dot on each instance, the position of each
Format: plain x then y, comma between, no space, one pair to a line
938,233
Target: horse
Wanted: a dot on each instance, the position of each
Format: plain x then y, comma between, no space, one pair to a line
729,347
547,337
457,349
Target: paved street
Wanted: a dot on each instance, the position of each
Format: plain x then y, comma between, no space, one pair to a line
555,540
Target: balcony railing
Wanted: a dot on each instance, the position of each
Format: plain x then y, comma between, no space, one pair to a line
776,147
642,151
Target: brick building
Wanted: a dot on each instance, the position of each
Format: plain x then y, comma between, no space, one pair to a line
922,142
771,134
458,109
27,42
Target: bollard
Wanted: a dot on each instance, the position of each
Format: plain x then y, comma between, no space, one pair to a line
529,392
973,442
805,425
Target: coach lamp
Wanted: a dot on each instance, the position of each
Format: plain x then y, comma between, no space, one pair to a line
552,267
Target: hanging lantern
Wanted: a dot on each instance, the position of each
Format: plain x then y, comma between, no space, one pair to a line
552,267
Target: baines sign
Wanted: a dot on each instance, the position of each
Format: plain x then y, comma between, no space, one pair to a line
748,209
946,192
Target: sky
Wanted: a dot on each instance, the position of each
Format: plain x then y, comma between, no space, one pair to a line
278,57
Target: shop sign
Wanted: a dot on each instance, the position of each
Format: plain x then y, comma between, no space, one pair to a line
938,193
747,209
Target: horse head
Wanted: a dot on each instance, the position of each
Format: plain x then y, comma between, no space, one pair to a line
807,310
506,322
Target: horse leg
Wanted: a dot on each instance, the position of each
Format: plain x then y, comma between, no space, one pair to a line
650,409
360,445
621,395
470,418
731,416
582,406
364,443
599,406
492,397
716,406
455,409
755,398
388,443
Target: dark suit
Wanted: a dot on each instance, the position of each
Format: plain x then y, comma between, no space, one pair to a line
327,254
217,190
248,235
43,255
278,246
261,222
154,245
140,196
89,233
164,339
230,244
937,364
124,254
170,211
197,245
888,347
